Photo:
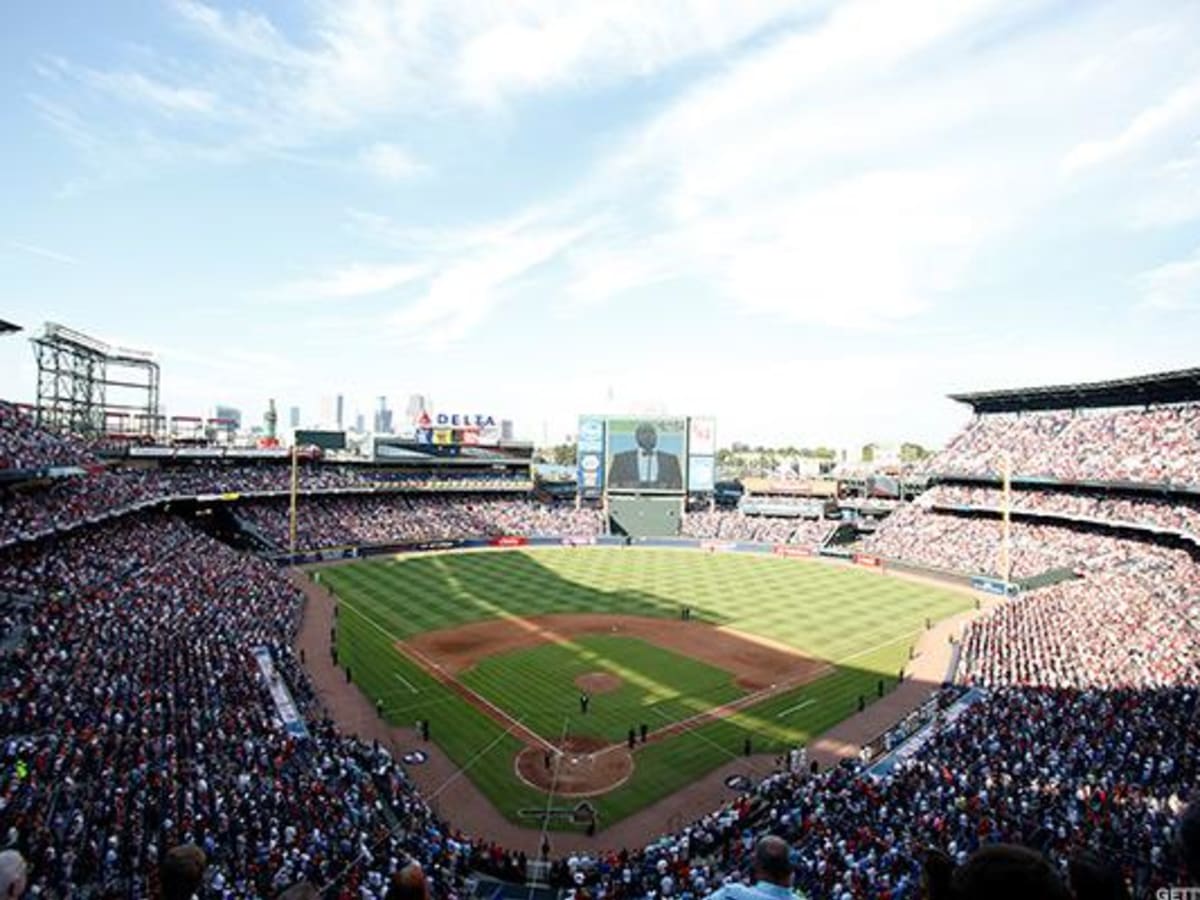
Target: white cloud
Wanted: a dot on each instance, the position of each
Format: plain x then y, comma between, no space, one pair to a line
543,46
390,162
354,64
1180,107
1173,286
242,32
1172,194
136,88
352,280
463,291
765,182
43,252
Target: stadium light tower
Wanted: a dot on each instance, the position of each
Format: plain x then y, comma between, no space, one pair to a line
77,375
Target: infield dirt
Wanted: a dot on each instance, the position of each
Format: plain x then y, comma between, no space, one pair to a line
755,663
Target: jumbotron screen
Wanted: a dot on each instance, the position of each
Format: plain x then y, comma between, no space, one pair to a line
647,455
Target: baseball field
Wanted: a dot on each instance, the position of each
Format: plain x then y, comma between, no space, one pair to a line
537,669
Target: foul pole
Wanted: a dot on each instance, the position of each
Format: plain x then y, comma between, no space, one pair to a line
292,509
1006,528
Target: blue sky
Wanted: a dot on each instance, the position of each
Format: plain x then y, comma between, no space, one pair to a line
811,220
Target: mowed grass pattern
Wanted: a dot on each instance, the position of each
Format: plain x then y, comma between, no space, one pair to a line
538,686
861,621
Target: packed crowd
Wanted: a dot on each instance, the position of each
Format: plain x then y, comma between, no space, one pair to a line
734,525
1176,514
959,543
1131,621
1063,771
25,446
143,635
149,725
1154,445
67,502
401,518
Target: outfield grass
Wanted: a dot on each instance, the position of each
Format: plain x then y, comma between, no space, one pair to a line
658,686
861,621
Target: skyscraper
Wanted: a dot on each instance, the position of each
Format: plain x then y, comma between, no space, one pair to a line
383,417
341,408
294,417
417,404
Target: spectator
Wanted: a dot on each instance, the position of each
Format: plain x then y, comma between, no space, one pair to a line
12,875
772,871
182,872
409,884
1005,871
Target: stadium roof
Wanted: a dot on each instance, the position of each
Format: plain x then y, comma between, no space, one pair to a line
8,327
1164,387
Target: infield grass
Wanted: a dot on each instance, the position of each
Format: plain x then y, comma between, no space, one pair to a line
861,621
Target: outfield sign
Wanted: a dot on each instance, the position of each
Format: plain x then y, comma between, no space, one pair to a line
509,540
867,560
991,585
791,550
585,540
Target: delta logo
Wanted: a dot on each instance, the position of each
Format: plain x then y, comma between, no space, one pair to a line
465,420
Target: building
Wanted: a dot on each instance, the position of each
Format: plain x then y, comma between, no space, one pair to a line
417,404
294,417
230,414
383,418
360,423
341,410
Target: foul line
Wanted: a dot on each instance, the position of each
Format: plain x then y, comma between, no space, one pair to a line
699,734
407,683
880,646
450,681
792,709
558,758
462,770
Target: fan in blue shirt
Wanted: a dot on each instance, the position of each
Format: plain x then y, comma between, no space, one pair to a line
772,868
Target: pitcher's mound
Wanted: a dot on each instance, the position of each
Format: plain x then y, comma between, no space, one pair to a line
598,682
583,767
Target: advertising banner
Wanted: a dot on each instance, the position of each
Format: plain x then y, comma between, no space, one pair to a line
701,473
590,455
991,585
509,540
585,540
865,559
702,436
792,550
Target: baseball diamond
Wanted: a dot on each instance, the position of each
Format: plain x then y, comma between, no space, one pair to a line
498,652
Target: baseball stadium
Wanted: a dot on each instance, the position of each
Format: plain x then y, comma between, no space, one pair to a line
600,450
319,666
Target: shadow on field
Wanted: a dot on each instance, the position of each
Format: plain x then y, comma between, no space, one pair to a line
491,581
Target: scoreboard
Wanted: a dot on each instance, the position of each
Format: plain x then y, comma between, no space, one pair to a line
645,455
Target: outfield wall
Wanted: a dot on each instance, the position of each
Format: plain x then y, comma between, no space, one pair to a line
329,554
863,560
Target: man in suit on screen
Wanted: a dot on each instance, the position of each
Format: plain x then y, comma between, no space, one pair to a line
646,467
